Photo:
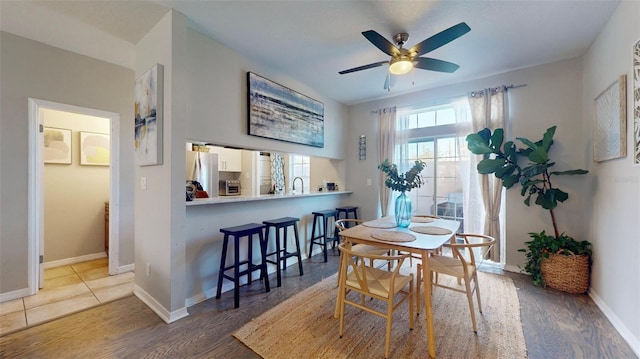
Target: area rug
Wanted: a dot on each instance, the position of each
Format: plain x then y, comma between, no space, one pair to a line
303,326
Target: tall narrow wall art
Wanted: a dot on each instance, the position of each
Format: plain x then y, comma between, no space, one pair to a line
610,130
280,113
148,117
636,103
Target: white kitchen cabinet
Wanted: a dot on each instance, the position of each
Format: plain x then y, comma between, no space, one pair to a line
229,160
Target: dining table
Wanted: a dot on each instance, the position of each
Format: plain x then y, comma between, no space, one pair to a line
424,234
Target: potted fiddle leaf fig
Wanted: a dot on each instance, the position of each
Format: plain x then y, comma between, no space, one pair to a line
557,260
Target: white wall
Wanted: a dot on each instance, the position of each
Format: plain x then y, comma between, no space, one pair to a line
613,209
217,101
74,194
160,209
32,69
551,97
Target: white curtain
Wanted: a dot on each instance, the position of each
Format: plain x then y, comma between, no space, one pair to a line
386,145
472,205
489,109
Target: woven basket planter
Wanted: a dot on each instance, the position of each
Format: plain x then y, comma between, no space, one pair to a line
568,273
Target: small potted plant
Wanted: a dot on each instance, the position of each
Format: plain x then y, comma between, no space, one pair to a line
555,260
402,183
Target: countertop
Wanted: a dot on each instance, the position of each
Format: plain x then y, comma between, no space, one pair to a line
264,197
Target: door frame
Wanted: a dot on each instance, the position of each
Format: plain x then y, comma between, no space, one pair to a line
35,184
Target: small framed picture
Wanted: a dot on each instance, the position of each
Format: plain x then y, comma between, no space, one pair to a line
94,149
57,145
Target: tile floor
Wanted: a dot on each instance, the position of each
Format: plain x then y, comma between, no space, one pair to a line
67,289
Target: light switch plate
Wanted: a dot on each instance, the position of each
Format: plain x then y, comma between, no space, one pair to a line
143,182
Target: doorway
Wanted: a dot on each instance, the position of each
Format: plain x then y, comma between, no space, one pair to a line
38,109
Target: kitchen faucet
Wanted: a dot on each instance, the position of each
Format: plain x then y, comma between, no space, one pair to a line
293,187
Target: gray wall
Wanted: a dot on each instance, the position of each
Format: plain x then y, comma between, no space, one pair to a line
217,101
32,69
613,206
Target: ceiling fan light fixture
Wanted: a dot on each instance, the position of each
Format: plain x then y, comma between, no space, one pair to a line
400,66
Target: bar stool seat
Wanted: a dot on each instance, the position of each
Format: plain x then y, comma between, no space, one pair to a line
246,230
322,238
346,210
282,252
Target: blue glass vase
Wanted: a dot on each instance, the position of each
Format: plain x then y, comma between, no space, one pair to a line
403,210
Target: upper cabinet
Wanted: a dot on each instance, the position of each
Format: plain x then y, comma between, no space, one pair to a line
229,160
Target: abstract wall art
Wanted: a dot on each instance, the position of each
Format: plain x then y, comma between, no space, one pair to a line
148,117
610,128
57,145
636,103
280,113
94,149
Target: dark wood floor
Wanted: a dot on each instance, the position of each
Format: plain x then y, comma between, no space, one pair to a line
556,325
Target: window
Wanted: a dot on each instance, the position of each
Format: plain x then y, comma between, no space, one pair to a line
300,166
433,139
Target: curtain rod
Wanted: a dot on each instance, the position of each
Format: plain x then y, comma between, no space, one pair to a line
458,96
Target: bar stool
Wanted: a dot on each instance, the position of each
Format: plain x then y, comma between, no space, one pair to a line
281,252
346,210
246,230
322,237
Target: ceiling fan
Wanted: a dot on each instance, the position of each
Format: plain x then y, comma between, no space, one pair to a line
403,60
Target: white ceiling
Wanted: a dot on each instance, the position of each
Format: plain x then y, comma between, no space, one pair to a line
313,40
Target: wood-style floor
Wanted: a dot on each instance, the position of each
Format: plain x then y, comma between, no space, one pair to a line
556,325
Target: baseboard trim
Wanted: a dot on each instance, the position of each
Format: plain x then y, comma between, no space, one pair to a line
16,294
74,260
626,334
126,268
167,316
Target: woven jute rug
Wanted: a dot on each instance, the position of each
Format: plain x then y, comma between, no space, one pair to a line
304,327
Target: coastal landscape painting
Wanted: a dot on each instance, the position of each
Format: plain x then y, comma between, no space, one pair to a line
280,113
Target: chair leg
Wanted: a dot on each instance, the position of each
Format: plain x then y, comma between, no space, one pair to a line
470,299
411,303
387,337
477,289
418,284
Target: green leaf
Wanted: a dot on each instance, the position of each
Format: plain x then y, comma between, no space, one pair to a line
496,140
528,143
547,138
490,165
509,181
504,171
478,143
570,172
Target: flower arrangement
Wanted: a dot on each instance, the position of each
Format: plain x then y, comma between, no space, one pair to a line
402,182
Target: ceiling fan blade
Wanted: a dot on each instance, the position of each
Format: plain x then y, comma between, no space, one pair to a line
427,63
365,67
380,42
389,82
440,39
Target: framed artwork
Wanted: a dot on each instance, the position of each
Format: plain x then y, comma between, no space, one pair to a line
610,130
94,149
280,113
148,117
57,145
636,103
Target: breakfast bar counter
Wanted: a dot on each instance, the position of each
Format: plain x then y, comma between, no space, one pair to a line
264,197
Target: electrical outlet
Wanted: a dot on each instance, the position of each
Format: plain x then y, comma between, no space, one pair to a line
148,269
368,181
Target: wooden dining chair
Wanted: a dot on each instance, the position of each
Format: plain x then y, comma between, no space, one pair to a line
361,277
461,265
343,224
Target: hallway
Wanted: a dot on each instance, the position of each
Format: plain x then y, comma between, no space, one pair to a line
67,289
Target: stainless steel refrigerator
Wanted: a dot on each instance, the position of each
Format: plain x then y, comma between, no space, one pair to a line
203,167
